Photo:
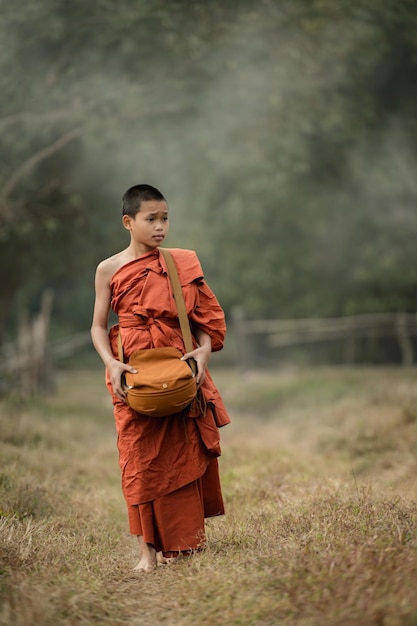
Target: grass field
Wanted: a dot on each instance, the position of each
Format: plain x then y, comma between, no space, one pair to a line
319,472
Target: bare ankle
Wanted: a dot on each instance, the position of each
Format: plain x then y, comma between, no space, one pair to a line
147,556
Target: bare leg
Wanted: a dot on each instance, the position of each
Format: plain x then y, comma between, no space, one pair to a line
147,556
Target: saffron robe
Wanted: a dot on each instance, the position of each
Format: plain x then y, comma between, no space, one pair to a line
170,476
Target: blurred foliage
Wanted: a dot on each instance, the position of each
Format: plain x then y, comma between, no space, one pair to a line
282,134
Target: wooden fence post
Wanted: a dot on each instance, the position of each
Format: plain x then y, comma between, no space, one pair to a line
33,366
24,350
403,337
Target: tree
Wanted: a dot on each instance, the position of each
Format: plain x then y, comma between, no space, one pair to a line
259,122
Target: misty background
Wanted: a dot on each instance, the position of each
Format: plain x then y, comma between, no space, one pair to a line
282,133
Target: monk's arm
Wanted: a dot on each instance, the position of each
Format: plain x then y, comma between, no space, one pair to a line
99,332
203,339
202,353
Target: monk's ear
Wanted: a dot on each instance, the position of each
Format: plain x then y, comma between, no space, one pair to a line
126,220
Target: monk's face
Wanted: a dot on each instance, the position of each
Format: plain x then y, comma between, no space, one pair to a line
149,227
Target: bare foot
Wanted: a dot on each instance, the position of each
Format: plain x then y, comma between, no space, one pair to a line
147,560
144,566
161,559
173,557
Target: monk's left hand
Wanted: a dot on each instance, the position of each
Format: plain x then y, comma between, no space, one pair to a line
201,355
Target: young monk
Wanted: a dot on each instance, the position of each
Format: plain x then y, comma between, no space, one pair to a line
170,476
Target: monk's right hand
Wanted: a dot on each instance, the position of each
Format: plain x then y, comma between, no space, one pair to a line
116,369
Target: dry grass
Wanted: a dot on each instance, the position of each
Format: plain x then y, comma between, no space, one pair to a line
319,477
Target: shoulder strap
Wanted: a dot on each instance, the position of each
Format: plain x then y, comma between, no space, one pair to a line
179,301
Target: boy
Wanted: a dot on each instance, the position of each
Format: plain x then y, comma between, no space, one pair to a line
170,476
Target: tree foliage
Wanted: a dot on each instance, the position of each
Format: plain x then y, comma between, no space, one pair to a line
283,135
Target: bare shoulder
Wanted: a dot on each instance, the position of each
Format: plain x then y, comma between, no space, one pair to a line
107,267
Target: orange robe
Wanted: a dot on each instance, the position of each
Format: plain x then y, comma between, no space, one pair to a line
170,476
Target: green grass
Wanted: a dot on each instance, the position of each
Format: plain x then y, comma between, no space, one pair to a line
319,478
270,392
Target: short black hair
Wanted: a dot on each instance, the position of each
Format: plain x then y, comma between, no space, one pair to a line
134,196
